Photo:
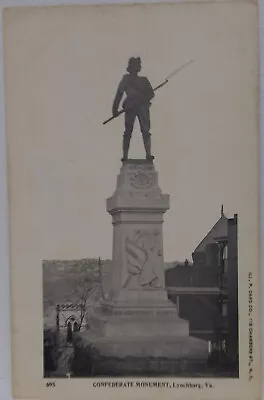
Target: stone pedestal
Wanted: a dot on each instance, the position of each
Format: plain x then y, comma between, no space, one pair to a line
137,320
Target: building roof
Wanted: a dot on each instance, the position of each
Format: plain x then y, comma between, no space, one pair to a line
218,232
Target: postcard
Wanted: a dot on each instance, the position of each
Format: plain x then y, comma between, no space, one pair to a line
132,146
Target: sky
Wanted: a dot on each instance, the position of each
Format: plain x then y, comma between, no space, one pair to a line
62,75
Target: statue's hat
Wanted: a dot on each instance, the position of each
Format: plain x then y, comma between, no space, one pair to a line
133,63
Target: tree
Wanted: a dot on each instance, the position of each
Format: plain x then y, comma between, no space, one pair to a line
81,289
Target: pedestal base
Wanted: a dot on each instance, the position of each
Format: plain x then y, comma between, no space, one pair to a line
138,341
123,319
141,326
140,356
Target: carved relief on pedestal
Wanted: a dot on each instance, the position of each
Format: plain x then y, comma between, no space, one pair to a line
143,253
141,180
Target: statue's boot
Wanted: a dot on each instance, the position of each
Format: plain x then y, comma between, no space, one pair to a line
126,143
147,145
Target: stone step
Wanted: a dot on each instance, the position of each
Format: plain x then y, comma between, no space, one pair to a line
167,347
140,325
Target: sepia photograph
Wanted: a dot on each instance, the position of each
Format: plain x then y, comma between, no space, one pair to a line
153,318
132,143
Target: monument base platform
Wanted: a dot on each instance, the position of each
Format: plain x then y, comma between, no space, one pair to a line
143,339
138,356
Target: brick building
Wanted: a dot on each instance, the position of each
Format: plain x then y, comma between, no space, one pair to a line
205,291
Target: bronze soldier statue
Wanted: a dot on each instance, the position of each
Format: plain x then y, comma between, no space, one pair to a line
138,92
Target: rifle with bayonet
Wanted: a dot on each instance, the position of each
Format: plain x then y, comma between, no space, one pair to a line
166,80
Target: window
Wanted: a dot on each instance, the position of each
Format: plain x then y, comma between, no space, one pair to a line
225,253
210,347
75,327
224,310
